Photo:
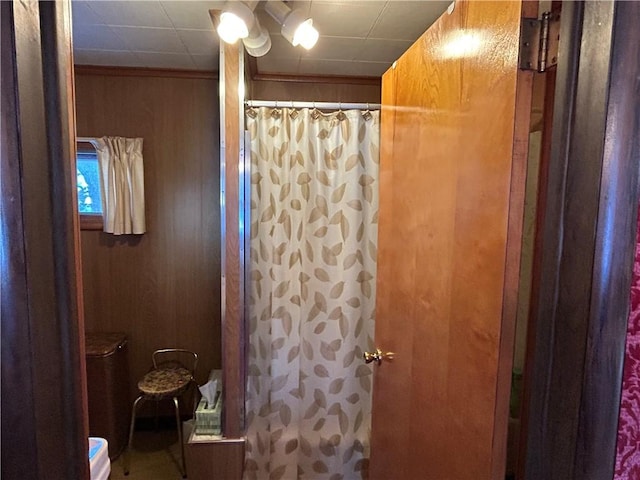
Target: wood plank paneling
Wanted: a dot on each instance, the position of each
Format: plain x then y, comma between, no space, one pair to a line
314,92
162,288
144,72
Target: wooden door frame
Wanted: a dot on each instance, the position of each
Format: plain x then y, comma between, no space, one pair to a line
581,304
44,408
583,287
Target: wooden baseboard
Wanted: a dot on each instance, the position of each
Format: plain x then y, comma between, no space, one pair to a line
222,459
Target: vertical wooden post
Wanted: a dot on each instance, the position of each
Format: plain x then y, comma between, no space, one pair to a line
44,409
231,79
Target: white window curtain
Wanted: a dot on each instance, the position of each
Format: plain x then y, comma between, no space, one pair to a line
122,182
314,209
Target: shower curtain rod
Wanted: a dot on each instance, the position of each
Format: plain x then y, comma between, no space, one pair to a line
318,105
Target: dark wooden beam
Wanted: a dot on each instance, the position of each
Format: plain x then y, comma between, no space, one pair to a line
18,420
588,241
42,326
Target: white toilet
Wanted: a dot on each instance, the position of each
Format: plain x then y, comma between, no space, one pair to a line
99,462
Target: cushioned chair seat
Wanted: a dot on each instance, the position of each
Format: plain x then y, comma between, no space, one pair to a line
169,378
165,382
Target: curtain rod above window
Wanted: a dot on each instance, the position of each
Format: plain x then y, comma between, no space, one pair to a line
318,105
86,139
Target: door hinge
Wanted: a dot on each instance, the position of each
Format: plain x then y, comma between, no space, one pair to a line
539,42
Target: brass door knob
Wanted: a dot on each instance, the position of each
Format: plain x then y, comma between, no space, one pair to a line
377,356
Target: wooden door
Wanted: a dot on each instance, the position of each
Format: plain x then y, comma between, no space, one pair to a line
454,134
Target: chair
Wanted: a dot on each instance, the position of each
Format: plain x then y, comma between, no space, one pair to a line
170,377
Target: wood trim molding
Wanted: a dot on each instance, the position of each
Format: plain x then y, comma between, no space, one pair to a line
524,96
588,242
614,248
206,74
330,79
143,72
91,222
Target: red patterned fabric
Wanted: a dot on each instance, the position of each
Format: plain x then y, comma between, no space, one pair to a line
628,454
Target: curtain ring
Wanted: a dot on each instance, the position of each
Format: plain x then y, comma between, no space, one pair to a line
367,114
341,115
275,113
315,114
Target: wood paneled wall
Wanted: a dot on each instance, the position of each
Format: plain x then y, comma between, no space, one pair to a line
314,92
161,288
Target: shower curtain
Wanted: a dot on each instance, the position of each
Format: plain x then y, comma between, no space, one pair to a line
314,208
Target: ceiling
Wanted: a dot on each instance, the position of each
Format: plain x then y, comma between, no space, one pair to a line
357,38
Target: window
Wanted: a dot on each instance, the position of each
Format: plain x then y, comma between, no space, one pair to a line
88,183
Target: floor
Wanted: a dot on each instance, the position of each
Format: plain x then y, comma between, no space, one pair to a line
155,456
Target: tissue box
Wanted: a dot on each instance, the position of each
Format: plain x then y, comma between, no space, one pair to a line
208,419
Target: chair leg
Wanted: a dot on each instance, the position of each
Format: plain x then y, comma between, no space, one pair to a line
127,451
156,418
195,390
179,427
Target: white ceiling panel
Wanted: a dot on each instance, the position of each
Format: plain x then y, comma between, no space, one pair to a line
356,37
97,37
132,13
345,19
83,14
377,50
145,39
191,15
302,5
334,48
206,62
166,60
407,20
278,65
267,22
282,49
326,67
199,42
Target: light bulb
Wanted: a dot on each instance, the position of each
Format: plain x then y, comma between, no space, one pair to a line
232,27
306,35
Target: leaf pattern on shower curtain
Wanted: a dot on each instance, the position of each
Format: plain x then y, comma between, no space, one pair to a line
314,209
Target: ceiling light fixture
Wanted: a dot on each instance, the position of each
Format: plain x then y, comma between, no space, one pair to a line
258,42
297,28
236,20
